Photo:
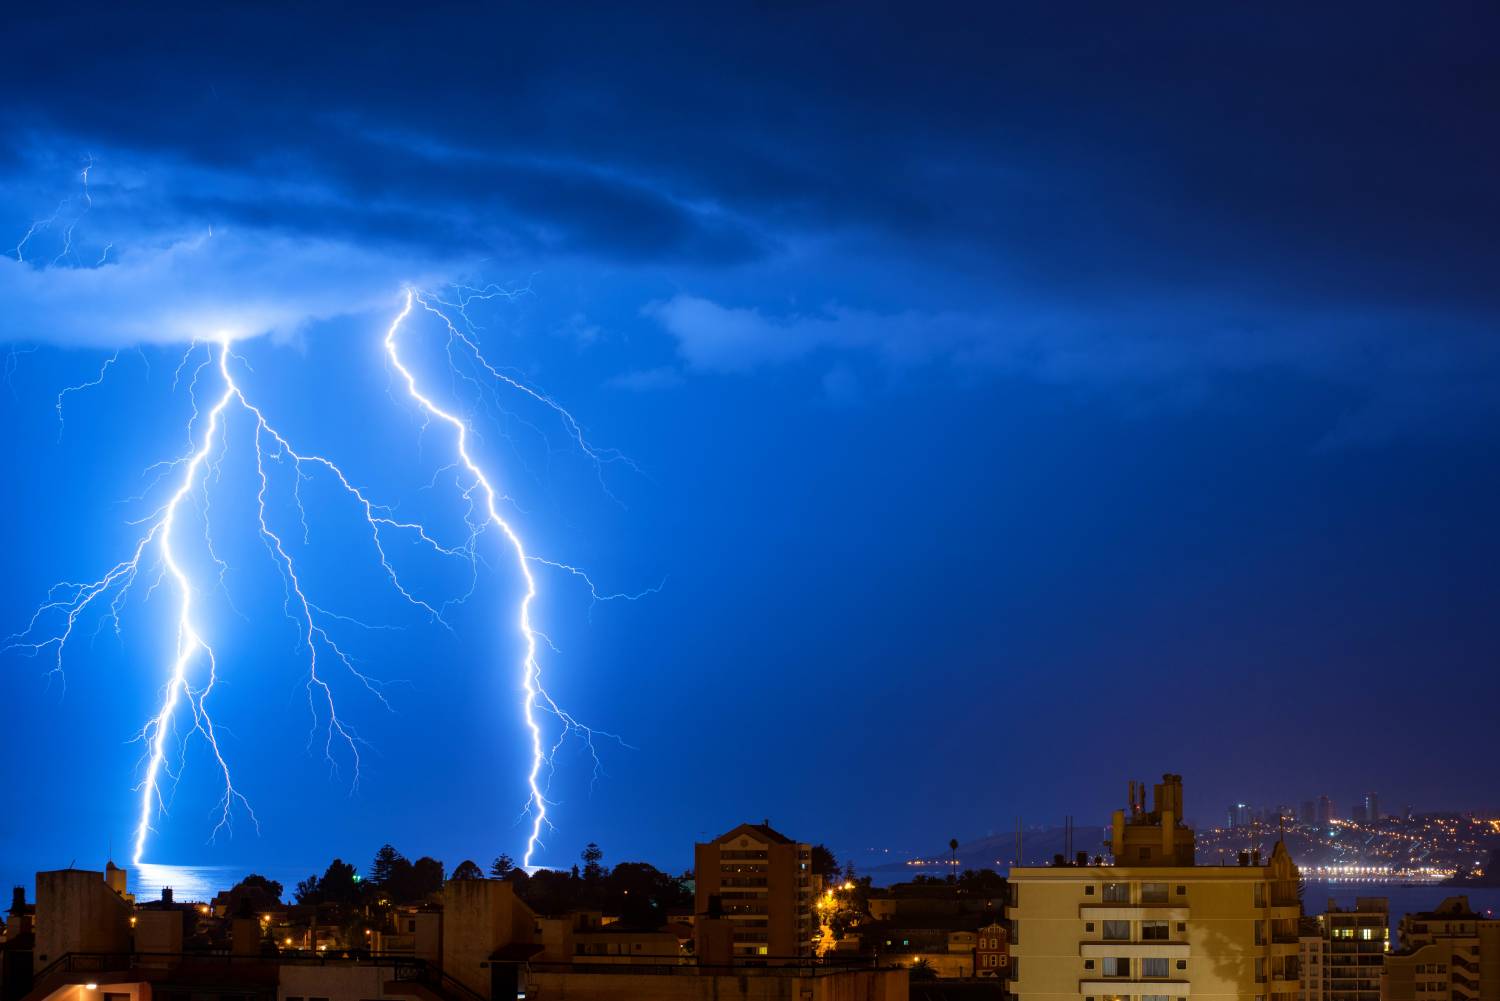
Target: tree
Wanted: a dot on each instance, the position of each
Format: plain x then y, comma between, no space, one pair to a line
385,862
307,891
922,970
953,859
592,870
502,866
640,894
412,882
254,893
981,883
339,884
825,864
467,870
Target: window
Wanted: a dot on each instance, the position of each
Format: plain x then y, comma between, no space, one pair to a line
1155,997
1153,967
1088,964
1088,926
1117,967
1182,964
1117,893
1088,891
1181,927
1182,891
1260,970
1117,931
1260,894
1153,893
1154,931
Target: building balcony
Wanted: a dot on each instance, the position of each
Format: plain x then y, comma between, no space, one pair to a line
1132,912
1134,988
1134,950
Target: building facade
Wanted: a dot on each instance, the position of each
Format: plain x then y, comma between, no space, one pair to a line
992,951
1310,960
761,883
1354,944
1155,926
1448,954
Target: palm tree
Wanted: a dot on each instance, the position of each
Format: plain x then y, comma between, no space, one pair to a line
953,857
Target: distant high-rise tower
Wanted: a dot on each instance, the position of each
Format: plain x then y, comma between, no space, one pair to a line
1309,812
1325,810
1238,815
1372,807
1359,814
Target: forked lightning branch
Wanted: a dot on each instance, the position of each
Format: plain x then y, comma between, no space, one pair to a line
186,705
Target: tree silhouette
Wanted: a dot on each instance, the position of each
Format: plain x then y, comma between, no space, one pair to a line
467,870
824,864
502,866
592,870
385,862
953,858
339,883
307,891
255,892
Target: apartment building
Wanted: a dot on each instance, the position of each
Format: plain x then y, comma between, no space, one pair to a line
1355,942
1447,954
1154,925
761,882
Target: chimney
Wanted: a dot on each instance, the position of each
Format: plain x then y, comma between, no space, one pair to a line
1244,858
1081,859
18,900
166,895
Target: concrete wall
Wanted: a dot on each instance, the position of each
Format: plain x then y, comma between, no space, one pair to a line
336,983
158,931
481,916
76,911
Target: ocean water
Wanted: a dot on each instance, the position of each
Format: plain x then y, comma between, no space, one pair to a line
202,882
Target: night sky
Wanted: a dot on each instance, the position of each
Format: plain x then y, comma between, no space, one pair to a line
1022,403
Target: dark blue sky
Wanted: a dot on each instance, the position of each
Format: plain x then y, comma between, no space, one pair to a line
1023,402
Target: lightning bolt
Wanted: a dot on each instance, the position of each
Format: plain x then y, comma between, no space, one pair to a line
194,668
535,697
158,551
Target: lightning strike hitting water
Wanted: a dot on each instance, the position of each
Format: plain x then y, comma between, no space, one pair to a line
160,551
193,656
193,673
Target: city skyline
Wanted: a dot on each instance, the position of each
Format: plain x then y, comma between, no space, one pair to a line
954,416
